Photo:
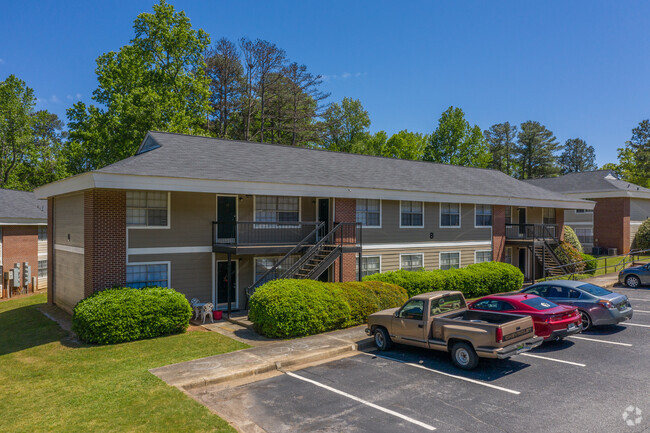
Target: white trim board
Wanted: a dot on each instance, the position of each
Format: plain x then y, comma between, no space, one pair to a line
424,245
69,248
167,250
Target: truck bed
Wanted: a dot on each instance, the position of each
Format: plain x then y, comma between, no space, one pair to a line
481,316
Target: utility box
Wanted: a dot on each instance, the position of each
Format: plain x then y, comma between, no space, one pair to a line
27,274
16,278
613,252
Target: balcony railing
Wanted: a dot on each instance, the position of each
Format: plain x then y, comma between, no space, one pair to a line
531,231
254,233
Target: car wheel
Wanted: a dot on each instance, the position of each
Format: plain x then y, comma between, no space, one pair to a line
586,321
463,356
632,281
382,339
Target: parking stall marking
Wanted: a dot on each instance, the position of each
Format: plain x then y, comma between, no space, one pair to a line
360,400
600,341
637,324
553,359
641,311
466,379
638,299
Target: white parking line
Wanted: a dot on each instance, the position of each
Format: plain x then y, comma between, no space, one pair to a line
638,299
641,311
636,324
466,379
600,341
553,359
360,400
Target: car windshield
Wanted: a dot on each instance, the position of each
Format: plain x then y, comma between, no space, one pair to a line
539,303
594,290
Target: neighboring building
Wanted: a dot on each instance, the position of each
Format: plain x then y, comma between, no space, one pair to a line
620,208
175,212
23,243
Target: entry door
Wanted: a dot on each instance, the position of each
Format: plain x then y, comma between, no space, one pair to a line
222,283
324,215
522,261
227,217
522,220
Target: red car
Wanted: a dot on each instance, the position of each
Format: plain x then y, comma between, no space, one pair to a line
552,321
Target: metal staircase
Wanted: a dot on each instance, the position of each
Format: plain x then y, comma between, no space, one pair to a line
544,249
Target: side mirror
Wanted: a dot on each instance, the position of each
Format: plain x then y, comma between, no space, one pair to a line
396,313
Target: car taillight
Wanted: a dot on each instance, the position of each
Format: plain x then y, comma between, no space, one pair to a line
499,335
606,304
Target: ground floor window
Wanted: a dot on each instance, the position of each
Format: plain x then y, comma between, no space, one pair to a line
412,262
483,256
585,236
450,260
263,264
509,255
369,265
42,269
147,275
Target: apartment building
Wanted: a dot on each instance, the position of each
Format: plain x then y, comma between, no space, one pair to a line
216,218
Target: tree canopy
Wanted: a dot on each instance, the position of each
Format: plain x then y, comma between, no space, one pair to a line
577,156
536,148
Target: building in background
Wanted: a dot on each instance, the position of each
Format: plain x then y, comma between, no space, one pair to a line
23,243
620,209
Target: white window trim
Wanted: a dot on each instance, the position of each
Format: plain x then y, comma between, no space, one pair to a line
460,258
261,225
481,251
400,215
583,211
169,215
408,254
492,214
169,269
224,305
460,215
365,256
381,213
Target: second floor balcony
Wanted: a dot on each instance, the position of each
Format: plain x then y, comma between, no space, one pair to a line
531,232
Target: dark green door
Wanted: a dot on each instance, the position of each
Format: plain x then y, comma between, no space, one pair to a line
227,216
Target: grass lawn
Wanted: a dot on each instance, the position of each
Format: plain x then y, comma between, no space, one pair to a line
49,383
604,265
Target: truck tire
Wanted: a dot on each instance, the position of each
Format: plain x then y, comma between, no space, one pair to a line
463,356
382,339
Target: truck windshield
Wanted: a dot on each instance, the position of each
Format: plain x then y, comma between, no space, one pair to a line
447,303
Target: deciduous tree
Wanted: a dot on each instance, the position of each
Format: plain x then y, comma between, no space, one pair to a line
406,145
346,126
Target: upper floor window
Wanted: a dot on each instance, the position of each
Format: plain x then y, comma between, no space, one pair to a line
449,215
147,275
483,215
369,212
549,215
146,208
508,215
411,214
42,233
276,209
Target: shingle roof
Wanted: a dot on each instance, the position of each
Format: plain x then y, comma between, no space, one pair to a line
194,157
588,181
21,205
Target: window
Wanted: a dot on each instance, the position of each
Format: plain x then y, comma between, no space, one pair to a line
594,290
369,212
509,255
537,290
447,303
449,215
584,211
483,215
412,310
562,292
482,256
146,208
411,214
493,305
42,233
549,215
450,260
585,236
370,265
411,262
147,275
42,269
508,215
277,209
539,303
263,264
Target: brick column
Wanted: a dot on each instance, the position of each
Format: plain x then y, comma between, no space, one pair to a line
559,220
104,239
345,210
612,223
498,233
50,251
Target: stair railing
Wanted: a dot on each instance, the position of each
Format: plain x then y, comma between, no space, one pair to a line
314,250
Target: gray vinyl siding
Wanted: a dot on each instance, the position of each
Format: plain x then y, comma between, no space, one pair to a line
390,258
570,216
639,209
69,220
69,278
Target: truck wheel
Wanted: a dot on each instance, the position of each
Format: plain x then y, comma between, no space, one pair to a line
463,356
382,339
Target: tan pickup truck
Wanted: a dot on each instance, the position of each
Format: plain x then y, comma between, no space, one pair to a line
441,321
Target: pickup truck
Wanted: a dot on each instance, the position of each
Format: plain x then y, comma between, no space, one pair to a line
441,321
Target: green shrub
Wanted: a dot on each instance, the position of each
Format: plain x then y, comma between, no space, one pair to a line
292,308
642,237
590,267
126,314
474,280
571,237
567,254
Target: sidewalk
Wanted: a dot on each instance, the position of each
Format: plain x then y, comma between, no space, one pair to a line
607,280
262,359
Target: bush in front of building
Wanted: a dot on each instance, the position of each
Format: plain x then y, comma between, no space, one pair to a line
474,280
642,237
590,266
294,308
568,254
126,314
571,237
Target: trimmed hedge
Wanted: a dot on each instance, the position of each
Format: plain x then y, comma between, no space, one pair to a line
571,237
568,254
473,281
292,308
126,314
642,237
590,267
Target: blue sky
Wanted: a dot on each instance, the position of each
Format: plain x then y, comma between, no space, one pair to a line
579,67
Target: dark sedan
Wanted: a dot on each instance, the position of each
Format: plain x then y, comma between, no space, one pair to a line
635,276
597,306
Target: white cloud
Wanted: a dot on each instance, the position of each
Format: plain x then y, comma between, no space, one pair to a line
68,97
54,99
77,95
344,76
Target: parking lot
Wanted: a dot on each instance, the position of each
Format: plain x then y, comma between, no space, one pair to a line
583,384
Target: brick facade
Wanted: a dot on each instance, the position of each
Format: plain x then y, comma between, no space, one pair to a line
612,223
345,210
499,233
104,239
19,245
